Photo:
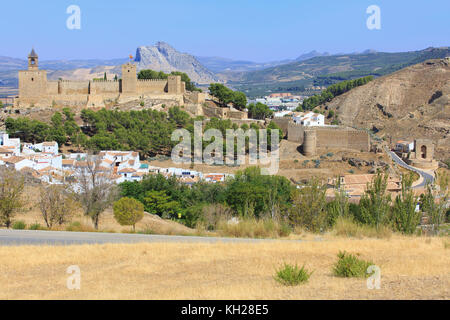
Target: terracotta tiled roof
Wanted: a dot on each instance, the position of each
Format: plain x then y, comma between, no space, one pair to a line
4,150
14,159
126,170
49,144
68,162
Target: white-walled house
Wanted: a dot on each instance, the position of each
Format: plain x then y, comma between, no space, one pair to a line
309,119
18,163
404,146
43,160
50,147
10,144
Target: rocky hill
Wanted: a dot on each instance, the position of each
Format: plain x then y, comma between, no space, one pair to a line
163,57
411,103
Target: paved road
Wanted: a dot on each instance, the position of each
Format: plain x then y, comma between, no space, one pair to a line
426,176
34,237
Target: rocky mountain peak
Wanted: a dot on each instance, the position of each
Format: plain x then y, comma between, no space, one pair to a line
163,57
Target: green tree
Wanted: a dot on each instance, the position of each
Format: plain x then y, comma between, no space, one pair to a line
128,211
252,194
308,208
11,190
405,218
259,111
159,203
434,202
340,206
375,202
239,100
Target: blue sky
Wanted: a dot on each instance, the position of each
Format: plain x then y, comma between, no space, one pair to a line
257,30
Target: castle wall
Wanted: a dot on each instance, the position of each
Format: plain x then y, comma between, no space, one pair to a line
295,132
283,123
216,112
104,86
35,89
52,87
237,114
151,86
324,138
69,87
358,140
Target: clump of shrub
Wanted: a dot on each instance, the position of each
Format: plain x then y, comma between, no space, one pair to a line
35,226
292,275
19,225
254,228
350,266
317,163
347,227
78,227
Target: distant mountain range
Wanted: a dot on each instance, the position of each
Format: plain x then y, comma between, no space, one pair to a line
327,69
254,78
219,64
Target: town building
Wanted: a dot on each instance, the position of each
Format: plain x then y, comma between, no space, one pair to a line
308,119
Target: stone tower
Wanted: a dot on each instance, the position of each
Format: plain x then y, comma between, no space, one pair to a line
129,78
32,82
174,84
309,143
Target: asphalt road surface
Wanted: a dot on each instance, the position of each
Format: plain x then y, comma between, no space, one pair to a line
426,176
34,237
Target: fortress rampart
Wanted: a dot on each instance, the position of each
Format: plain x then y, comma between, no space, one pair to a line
34,88
316,139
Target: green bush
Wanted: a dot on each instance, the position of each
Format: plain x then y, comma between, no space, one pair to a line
253,228
19,225
35,226
349,265
77,226
292,275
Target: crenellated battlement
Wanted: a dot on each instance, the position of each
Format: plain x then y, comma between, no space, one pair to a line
152,80
34,88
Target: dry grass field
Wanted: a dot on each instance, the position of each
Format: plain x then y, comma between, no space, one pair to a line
411,268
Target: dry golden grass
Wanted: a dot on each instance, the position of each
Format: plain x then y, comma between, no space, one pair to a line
411,268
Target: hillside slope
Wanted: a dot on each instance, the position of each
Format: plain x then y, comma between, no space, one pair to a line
408,104
375,63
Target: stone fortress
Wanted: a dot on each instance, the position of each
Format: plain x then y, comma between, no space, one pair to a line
316,139
35,89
